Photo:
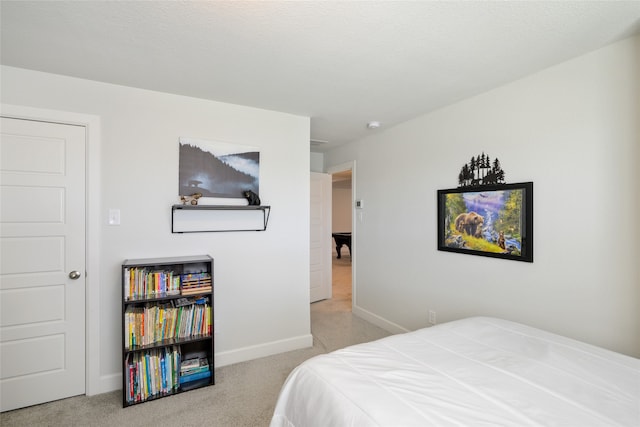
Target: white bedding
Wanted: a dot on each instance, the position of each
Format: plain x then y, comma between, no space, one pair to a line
471,372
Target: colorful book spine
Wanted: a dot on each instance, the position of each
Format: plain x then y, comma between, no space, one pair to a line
153,325
154,373
195,377
140,283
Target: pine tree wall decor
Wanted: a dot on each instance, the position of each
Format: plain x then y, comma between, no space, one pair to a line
481,171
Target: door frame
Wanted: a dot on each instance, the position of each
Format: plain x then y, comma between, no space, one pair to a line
94,382
343,167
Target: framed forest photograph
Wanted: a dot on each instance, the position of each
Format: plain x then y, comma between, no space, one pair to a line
492,220
219,171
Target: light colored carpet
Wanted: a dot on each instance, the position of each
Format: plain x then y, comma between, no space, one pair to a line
245,394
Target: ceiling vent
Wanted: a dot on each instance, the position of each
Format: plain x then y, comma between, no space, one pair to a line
318,142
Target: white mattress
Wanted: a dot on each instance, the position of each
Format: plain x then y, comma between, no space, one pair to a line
471,372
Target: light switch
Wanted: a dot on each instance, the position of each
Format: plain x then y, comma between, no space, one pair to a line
114,216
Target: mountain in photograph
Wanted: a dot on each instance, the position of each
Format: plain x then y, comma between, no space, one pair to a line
248,162
201,171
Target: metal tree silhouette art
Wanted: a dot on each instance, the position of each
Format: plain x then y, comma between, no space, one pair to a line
481,171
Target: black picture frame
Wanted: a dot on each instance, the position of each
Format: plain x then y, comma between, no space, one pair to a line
491,220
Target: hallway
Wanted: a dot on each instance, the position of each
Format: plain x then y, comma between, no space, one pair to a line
340,284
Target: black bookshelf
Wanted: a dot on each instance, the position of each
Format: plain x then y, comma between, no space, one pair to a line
167,327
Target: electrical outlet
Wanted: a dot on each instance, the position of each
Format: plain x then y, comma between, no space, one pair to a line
432,317
216,326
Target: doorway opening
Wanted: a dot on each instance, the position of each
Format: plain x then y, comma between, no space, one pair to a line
342,233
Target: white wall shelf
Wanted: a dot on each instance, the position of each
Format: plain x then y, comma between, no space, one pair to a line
215,218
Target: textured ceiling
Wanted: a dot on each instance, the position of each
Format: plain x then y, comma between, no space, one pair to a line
341,63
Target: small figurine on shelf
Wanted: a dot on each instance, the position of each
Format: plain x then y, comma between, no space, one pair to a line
251,197
192,199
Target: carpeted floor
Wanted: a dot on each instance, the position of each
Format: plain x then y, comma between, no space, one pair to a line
245,394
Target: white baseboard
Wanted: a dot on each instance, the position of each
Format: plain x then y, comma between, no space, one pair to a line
378,321
112,382
105,384
262,350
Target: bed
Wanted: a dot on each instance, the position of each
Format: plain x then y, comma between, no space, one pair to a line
473,372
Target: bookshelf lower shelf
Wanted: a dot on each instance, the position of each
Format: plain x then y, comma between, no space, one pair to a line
157,372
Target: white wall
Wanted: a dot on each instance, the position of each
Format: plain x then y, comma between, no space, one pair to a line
574,130
317,162
261,278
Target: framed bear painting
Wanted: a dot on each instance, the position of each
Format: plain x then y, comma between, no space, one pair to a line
491,220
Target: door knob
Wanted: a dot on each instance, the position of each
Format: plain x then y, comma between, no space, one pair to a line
75,275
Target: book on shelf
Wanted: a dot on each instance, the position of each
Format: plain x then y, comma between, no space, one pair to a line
194,361
195,370
195,377
193,278
144,283
194,367
154,324
153,373
195,291
191,300
141,283
195,283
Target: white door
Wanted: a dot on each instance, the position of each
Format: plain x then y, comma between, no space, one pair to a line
320,236
42,242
